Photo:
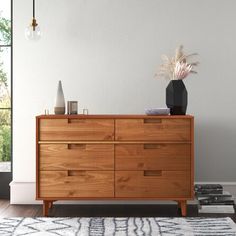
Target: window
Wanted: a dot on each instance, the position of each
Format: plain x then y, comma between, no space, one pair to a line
5,85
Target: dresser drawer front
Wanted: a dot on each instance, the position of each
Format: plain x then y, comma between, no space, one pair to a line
76,157
153,156
76,129
160,129
152,184
76,184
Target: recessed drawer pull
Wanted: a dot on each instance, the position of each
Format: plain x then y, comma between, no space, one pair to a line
72,121
152,146
152,121
76,172
76,146
152,173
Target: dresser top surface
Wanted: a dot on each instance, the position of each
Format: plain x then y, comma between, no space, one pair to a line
113,116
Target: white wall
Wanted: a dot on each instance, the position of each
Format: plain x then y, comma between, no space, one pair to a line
106,53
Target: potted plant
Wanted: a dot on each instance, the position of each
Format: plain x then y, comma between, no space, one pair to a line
176,69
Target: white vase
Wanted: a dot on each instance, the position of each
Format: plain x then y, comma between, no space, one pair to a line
59,108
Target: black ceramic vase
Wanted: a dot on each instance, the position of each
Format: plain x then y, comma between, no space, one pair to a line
176,97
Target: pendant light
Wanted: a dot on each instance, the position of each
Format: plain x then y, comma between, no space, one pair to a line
32,32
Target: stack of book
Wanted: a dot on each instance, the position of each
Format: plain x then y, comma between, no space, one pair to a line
213,199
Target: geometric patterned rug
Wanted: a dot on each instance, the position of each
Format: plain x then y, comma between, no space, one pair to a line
116,226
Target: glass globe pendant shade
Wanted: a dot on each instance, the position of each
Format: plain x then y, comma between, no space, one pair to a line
32,32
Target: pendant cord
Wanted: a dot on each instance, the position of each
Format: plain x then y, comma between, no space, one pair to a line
34,9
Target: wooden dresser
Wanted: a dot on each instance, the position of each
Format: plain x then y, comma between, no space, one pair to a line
119,157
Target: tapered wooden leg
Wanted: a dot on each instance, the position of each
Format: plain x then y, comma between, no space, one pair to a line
45,208
183,206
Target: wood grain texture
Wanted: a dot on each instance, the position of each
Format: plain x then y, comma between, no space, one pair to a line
76,157
37,156
13,210
169,184
152,156
83,184
144,129
123,157
76,129
113,116
110,142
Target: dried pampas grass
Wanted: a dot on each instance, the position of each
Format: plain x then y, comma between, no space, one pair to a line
178,66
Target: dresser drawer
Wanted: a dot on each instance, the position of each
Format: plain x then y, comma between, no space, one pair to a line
158,129
77,184
76,129
152,156
152,184
76,157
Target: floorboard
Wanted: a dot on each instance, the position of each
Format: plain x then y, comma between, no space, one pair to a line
7,210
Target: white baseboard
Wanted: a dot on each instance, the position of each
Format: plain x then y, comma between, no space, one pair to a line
25,192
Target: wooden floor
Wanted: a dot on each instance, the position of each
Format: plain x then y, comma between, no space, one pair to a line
7,210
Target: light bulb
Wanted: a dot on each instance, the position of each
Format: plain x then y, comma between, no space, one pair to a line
32,32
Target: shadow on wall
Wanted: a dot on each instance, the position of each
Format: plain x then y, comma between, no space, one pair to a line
215,151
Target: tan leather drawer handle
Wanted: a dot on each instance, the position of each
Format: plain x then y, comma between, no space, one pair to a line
152,146
152,121
77,121
76,146
152,173
76,172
